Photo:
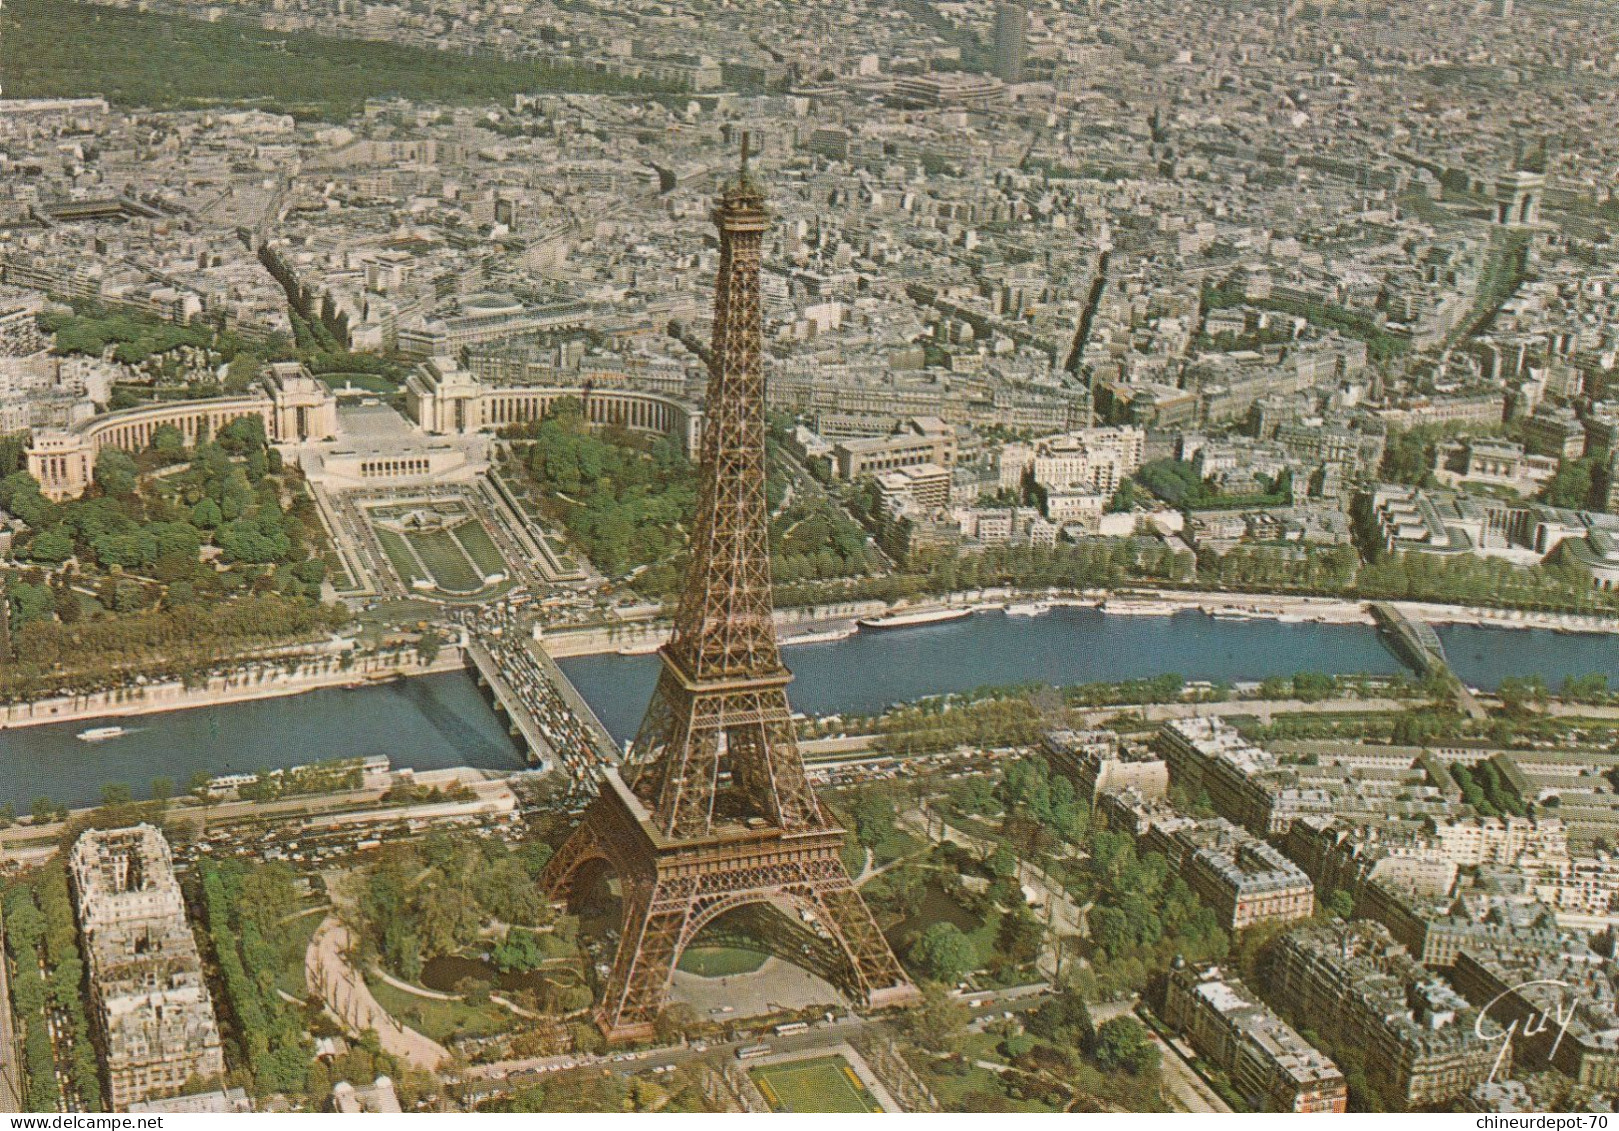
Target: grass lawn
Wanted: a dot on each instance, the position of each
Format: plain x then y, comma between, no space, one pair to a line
399,554
440,1020
853,854
388,616
481,548
896,844
826,1084
952,1088
720,961
939,906
295,936
337,574
452,569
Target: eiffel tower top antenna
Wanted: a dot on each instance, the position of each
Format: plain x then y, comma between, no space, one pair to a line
744,186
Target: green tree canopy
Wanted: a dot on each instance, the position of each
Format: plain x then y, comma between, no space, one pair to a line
1123,1043
115,472
51,546
944,953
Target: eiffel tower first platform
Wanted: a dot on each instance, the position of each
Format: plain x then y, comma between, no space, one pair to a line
713,812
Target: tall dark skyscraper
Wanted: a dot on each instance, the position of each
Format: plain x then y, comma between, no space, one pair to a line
1011,38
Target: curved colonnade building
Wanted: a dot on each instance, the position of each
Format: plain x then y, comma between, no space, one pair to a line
441,399
294,406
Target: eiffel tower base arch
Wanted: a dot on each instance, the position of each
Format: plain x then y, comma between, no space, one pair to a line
672,889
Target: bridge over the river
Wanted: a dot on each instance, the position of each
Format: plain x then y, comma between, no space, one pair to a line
558,728
1415,641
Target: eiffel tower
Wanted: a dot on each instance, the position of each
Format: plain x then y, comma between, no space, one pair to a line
713,811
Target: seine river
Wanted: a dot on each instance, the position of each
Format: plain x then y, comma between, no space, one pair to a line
870,670
431,722
427,722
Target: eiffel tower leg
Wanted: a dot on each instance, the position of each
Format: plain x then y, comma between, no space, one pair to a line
877,972
654,928
583,845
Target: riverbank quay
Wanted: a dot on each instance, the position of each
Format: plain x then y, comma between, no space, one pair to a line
24,844
1262,710
256,680
644,635
849,748
1337,610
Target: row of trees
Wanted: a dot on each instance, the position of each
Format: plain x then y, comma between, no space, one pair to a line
1309,687
175,641
1095,564
1015,715
1262,567
1483,788
333,776
1556,583
932,725
48,975
243,908
1590,688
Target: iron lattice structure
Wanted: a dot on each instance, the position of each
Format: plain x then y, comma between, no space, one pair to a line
714,812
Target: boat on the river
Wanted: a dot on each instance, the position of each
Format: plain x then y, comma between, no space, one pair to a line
1028,608
823,636
909,620
1139,608
101,734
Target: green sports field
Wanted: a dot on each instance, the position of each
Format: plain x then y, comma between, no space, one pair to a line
480,547
825,1084
453,571
454,559
720,961
399,554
